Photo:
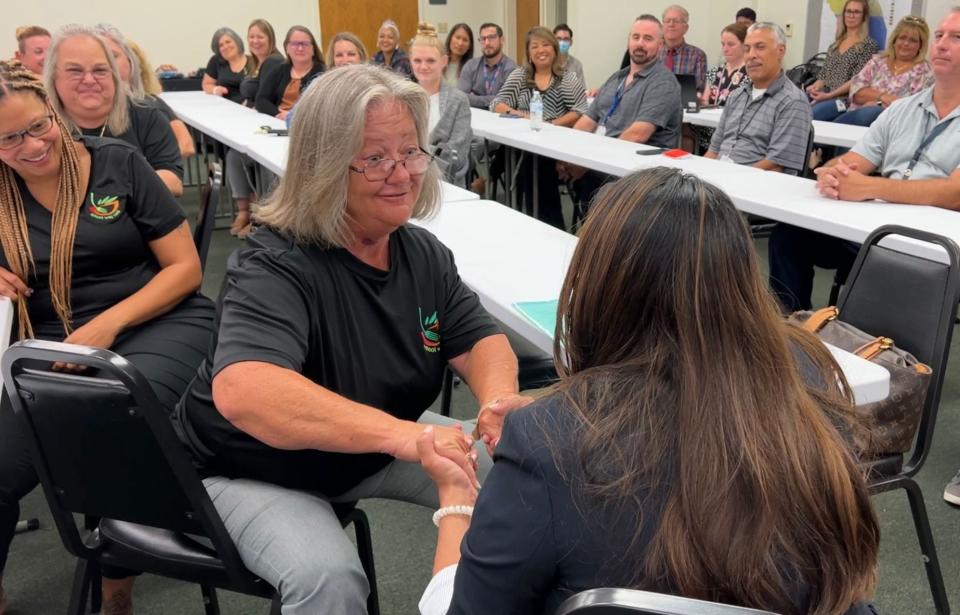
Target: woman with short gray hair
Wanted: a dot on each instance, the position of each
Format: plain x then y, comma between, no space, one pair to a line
336,324
228,66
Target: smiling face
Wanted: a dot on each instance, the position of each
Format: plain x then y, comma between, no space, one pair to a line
459,42
228,48
84,81
36,157
764,57
345,53
386,39
907,45
732,48
34,53
258,42
644,43
428,64
945,49
299,47
377,208
541,53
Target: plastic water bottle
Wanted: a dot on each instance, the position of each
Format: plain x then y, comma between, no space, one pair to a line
536,111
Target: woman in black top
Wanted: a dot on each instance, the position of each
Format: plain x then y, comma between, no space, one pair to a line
95,251
87,91
228,66
262,42
281,85
696,443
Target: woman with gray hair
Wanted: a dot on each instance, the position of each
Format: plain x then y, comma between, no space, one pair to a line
336,324
389,54
86,88
228,66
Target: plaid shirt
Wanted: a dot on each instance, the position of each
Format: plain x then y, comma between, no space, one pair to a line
686,59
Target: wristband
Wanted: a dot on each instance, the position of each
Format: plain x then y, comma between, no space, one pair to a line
459,509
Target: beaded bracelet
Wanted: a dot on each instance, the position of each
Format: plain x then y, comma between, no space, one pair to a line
459,509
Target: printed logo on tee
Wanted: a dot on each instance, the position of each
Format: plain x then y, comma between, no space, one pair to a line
104,208
429,331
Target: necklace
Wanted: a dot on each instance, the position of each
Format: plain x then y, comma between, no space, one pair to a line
103,130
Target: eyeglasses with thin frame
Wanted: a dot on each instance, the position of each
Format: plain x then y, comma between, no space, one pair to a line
100,73
489,37
852,12
377,168
37,129
300,44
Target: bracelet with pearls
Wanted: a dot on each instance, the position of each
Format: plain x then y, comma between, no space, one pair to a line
459,509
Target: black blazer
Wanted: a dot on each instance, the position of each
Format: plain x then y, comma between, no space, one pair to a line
274,80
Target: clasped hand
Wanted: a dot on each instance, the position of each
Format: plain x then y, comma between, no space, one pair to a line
842,181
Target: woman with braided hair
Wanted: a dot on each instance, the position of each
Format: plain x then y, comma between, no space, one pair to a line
95,251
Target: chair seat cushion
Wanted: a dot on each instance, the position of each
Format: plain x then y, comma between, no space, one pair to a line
167,553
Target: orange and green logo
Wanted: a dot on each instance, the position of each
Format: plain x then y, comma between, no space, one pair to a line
104,209
429,331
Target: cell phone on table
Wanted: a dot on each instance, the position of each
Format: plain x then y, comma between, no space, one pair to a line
510,116
651,152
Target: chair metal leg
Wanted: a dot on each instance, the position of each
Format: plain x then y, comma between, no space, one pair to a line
446,392
80,588
211,606
928,549
365,549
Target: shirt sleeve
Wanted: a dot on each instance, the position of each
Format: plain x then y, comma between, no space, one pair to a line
791,131
163,107
213,67
865,77
436,597
874,142
509,93
264,314
160,144
660,103
467,322
152,208
510,540
595,112
717,139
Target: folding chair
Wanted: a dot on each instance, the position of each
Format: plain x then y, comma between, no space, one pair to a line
207,214
912,300
635,602
103,447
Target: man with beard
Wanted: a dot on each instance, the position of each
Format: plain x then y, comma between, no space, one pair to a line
765,123
482,77
639,103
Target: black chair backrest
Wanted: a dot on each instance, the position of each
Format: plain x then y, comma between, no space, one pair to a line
609,601
912,300
206,216
807,171
103,446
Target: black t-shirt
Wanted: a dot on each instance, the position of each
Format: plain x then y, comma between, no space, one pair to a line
125,207
150,133
376,337
220,70
162,107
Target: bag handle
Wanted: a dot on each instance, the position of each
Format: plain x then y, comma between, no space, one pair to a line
819,318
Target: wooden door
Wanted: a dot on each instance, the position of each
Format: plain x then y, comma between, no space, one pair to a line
363,18
528,15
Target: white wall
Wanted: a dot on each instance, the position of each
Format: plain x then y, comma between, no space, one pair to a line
935,10
468,11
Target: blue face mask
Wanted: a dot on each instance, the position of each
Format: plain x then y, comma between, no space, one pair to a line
564,46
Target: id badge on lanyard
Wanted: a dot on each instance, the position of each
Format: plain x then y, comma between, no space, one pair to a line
601,130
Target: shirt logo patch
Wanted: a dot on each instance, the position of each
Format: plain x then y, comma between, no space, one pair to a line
429,331
104,209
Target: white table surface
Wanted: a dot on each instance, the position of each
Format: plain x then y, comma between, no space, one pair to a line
507,257
825,133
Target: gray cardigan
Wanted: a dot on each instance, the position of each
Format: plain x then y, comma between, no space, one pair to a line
450,138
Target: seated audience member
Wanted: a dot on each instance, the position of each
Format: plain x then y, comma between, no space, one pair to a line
610,479
389,54
482,78
310,397
95,251
564,101
346,49
765,123
282,84
902,70
746,17
640,103
262,41
32,45
130,64
459,46
565,39
679,56
228,66
87,91
848,54
914,147
449,122
723,79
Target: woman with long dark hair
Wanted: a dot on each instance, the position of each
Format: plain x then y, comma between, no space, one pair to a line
459,45
696,444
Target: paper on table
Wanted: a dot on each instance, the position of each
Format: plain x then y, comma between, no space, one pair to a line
541,313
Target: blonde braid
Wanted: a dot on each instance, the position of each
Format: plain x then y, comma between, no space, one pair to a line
14,235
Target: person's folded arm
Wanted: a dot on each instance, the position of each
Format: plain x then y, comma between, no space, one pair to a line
638,132
768,165
585,123
568,119
184,139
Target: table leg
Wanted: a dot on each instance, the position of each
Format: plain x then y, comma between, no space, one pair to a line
535,161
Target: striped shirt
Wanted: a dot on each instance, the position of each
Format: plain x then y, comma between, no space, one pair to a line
686,59
774,127
562,96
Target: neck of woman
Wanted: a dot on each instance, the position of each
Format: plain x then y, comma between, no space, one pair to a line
432,86
853,35
388,56
88,121
373,251
544,71
302,67
735,65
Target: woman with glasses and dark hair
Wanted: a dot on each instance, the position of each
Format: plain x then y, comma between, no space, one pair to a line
336,324
95,251
228,66
685,404
87,91
281,86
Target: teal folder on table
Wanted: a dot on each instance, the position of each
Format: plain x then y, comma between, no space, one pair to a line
541,313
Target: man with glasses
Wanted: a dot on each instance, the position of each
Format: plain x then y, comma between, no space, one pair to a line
482,77
677,55
910,154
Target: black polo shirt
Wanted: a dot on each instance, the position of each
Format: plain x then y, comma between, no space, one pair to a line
125,207
380,338
219,69
149,132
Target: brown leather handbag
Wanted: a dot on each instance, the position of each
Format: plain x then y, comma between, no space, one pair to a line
892,423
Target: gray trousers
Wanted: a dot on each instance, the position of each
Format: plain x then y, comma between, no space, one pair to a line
293,540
